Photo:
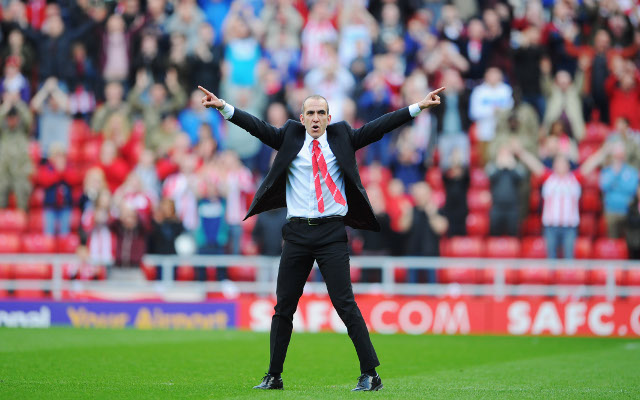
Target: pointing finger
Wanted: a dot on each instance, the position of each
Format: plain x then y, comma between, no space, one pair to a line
438,90
205,91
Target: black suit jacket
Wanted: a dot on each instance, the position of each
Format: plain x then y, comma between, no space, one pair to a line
343,140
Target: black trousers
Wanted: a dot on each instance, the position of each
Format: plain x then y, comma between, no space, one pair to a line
327,244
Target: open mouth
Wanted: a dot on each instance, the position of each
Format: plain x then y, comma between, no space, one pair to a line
315,127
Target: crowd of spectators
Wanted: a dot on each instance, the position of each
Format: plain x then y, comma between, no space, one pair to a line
100,111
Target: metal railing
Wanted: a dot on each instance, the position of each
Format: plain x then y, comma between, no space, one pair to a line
267,268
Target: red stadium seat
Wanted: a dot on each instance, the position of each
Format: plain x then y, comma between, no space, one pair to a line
33,271
185,273
590,201
67,243
583,248
479,200
612,249
599,276
6,271
10,243
536,275
12,220
30,294
602,227
465,246
37,198
400,275
356,274
532,225
595,132
444,247
79,131
38,243
149,271
511,276
245,274
533,247
571,276
36,220
477,224
632,277
587,225
502,247
434,178
459,275
479,179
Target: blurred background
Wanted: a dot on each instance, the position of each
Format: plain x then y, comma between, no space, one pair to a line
107,155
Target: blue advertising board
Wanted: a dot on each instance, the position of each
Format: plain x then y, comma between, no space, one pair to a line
218,315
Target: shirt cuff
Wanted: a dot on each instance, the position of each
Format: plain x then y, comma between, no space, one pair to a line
414,109
227,111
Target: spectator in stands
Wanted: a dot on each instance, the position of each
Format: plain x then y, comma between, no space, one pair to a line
85,84
375,101
193,117
476,49
113,104
630,139
267,233
407,163
453,119
212,234
149,60
56,38
186,20
242,52
114,167
16,47
426,226
93,184
164,99
51,103
318,31
165,228
15,164
358,31
520,123
633,227
204,61
182,188
623,90
133,194
505,177
527,56
558,142
235,185
376,243
456,185
561,191
131,238
486,101
618,183
94,223
13,81
146,171
563,100
58,178
116,48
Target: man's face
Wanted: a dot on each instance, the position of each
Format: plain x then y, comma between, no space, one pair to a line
315,117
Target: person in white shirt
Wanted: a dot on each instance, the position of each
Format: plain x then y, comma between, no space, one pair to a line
315,176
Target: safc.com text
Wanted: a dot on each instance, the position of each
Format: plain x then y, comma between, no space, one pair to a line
519,316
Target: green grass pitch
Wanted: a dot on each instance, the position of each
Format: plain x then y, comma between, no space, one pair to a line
67,363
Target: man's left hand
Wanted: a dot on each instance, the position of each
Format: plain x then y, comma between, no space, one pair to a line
431,100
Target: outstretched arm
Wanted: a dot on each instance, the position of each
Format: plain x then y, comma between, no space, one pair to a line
374,130
267,133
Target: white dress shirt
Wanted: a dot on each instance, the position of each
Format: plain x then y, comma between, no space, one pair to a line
301,190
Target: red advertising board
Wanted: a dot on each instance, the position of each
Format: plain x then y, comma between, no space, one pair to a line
474,315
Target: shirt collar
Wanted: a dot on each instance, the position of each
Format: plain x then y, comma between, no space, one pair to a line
322,140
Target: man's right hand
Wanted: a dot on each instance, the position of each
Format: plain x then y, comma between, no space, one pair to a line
210,100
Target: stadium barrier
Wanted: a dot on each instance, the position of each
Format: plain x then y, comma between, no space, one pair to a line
495,296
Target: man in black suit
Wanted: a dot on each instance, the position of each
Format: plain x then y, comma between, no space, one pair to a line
313,175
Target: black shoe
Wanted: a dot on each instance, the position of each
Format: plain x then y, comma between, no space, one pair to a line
270,382
368,383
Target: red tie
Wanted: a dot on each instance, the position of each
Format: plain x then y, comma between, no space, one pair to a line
318,163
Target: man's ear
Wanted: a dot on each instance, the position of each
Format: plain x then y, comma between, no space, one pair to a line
302,118
329,119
